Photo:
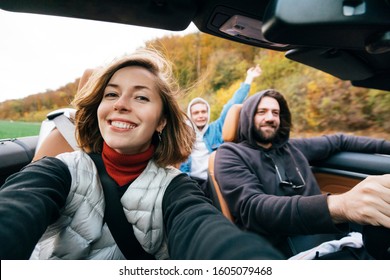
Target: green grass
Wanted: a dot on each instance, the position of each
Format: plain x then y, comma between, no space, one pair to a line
11,129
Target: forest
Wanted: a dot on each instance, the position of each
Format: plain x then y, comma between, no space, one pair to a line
213,68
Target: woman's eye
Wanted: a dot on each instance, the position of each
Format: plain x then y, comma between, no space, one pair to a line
142,98
110,94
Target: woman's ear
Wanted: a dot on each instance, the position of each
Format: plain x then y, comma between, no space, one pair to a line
162,125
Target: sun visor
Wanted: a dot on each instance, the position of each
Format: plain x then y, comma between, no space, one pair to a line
339,63
380,81
172,15
349,24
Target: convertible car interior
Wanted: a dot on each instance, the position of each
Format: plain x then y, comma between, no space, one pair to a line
349,39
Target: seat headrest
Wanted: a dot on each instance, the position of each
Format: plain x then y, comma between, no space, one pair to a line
84,78
230,126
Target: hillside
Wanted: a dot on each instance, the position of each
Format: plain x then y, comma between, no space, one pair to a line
35,107
213,68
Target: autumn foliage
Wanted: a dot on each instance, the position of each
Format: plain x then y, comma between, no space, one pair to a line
214,68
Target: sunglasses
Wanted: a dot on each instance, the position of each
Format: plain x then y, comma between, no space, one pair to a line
284,183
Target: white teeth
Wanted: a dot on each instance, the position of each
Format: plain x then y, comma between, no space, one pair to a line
122,125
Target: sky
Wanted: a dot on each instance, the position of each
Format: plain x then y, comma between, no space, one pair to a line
39,53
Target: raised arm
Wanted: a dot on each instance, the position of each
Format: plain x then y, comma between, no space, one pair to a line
241,93
252,73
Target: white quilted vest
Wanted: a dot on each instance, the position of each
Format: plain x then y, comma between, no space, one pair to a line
80,232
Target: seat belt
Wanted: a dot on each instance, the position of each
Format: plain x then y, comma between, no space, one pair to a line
114,216
67,129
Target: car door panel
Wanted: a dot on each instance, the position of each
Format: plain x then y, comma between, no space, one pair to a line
344,170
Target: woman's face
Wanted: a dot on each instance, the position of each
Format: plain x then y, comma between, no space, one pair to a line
130,111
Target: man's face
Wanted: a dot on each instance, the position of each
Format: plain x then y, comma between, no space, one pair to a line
199,115
267,121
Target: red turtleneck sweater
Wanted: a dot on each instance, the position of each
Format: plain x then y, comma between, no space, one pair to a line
123,168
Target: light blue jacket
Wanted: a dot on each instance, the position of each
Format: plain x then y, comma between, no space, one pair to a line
213,134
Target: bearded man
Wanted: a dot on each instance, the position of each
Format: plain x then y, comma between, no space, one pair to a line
270,189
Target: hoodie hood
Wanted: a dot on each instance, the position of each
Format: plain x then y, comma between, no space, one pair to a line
246,123
194,101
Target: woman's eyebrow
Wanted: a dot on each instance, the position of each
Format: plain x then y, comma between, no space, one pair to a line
112,85
136,86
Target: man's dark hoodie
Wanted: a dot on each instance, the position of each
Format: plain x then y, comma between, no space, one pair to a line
246,173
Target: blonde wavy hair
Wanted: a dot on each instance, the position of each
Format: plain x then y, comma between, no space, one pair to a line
177,137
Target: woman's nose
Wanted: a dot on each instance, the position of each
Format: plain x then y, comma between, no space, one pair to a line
121,105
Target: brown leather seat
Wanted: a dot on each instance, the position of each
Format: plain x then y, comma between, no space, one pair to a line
229,134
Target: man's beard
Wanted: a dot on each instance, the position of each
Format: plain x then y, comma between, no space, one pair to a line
265,138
